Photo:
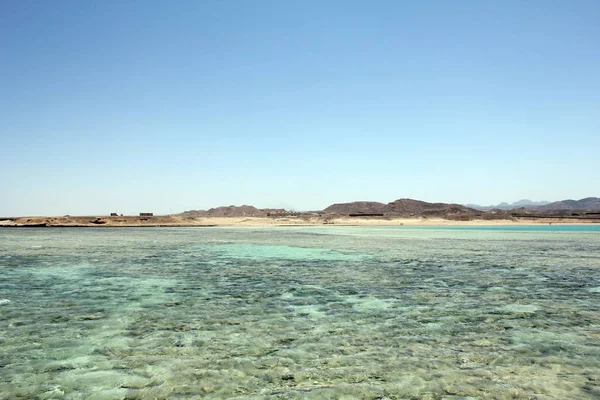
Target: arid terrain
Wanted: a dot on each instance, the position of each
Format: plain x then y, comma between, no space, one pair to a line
399,212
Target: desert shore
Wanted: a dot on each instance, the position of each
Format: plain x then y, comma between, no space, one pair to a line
135,221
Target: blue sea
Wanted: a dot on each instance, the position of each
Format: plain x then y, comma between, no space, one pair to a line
320,312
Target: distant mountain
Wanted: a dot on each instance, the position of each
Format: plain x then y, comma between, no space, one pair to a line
588,203
356,207
509,206
232,211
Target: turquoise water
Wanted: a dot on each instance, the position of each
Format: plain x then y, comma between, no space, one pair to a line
304,312
520,228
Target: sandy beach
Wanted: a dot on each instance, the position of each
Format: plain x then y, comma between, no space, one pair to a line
135,221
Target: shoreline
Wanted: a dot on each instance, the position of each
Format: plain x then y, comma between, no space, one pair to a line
321,220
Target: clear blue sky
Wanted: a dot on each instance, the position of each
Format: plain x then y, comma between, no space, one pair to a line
133,106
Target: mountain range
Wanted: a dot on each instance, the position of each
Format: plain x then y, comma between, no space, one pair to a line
410,207
509,206
401,207
588,203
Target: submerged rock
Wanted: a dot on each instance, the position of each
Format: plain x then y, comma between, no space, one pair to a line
520,308
88,317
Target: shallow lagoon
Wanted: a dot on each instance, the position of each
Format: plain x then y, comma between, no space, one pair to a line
303,312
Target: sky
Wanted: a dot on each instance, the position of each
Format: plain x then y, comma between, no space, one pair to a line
157,106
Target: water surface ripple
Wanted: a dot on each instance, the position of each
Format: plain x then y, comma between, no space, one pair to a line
303,312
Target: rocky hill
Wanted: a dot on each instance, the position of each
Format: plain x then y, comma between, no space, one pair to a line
587,204
232,211
417,207
404,207
356,207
